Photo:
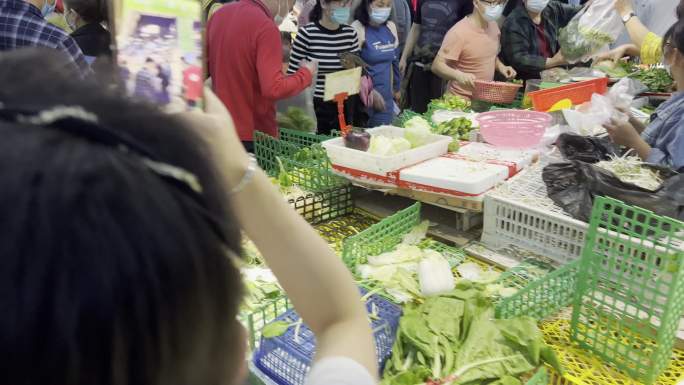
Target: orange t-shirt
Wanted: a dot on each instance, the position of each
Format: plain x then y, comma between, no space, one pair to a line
470,49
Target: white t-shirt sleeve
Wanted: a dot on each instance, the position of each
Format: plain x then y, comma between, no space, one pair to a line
339,371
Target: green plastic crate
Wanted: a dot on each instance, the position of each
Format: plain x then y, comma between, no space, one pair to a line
301,138
525,273
544,297
630,288
267,149
321,206
256,320
381,237
309,174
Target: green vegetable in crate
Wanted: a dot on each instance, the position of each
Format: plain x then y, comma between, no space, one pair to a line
450,102
656,79
454,339
284,179
296,119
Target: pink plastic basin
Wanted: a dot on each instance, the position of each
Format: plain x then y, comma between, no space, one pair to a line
513,128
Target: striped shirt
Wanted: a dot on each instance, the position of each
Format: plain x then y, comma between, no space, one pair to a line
315,42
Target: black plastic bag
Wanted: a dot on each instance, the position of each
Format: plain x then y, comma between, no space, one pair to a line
573,186
589,149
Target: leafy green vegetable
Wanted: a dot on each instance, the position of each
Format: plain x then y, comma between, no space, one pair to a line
450,102
454,339
275,329
385,146
577,42
284,179
296,119
656,79
417,131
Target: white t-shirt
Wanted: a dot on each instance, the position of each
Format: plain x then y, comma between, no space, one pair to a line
339,371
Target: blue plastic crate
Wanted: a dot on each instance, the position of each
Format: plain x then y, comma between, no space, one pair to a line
287,362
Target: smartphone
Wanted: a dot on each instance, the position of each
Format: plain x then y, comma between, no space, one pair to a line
159,50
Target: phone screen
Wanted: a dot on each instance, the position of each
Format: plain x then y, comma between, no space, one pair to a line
159,50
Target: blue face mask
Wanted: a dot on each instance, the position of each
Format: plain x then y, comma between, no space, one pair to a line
340,15
380,15
47,8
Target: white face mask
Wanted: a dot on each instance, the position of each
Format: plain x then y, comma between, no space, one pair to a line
493,12
536,6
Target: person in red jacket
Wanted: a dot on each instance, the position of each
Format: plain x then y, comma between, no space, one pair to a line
245,64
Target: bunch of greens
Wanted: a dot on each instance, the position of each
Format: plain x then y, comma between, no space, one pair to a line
451,103
615,70
296,119
458,128
515,81
577,43
261,288
656,79
454,339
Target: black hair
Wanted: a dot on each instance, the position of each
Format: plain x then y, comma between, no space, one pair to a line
362,14
675,36
316,13
110,274
149,60
680,10
91,11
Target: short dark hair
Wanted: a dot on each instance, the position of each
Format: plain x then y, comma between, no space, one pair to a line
111,274
92,11
317,12
675,36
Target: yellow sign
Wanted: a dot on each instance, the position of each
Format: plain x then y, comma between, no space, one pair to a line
348,81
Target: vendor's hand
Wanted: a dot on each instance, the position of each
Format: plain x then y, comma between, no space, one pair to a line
508,72
465,80
312,66
557,60
612,55
402,66
624,7
622,133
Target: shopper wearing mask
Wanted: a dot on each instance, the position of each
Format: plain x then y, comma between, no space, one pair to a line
469,51
662,141
323,40
85,18
244,55
23,24
529,36
432,21
379,41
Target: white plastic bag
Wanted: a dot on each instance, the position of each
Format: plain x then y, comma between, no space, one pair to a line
589,118
590,30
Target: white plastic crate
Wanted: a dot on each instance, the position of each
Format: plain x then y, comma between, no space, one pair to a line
340,155
520,213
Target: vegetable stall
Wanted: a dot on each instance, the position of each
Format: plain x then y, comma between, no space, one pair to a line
573,272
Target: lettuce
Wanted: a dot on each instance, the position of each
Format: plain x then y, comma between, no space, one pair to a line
417,131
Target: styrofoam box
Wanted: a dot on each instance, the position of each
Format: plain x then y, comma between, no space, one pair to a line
484,152
340,155
520,213
456,175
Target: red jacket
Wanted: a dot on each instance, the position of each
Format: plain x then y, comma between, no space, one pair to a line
245,63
